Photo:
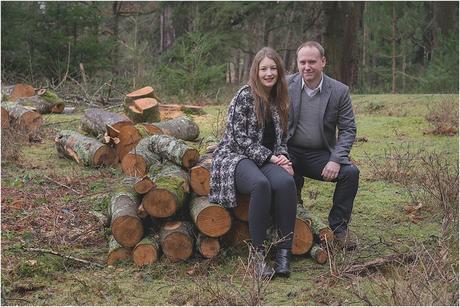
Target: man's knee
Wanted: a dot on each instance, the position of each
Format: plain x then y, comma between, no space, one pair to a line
350,171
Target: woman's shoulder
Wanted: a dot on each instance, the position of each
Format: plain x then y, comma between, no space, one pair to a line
243,93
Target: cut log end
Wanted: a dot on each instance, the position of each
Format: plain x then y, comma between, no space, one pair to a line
145,91
105,155
214,221
321,256
160,203
190,158
199,180
326,233
118,255
177,247
145,254
128,230
303,237
133,165
129,137
209,247
145,103
144,185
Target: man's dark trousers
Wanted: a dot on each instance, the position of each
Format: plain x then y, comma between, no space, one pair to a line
310,163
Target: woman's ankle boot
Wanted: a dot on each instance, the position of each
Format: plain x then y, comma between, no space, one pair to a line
282,262
261,268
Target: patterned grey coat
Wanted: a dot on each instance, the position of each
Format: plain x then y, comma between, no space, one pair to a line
242,139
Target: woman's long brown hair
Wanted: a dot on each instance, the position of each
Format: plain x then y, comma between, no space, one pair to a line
278,94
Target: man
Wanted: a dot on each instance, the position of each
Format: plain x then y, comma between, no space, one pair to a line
321,133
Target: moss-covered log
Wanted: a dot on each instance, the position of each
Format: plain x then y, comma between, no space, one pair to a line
171,192
138,161
183,128
43,105
241,211
84,150
5,118
147,251
94,121
200,175
321,230
238,234
211,219
208,247
174,150
177,240
127,227
23,119
318,253
117,252
303,237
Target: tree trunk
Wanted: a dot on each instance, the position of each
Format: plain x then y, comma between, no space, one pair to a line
94,121
393,53
241,211
238,234
177,240
127,227
208,247
117,252
183,128
21,90
200,175
84,150
303,237
174,150
318,253
167,31
171,192
5,118
147,251
211,219
138,161
321,230
23,119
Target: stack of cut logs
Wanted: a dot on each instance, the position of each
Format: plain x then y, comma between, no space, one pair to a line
162,205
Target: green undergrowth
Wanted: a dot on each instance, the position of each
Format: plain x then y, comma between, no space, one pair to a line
46,202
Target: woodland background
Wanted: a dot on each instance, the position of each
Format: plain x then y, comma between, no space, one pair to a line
196,50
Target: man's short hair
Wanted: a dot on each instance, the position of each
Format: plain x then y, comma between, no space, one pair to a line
312,44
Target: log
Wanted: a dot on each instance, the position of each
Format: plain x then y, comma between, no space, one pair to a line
128,138
84,150
143,110
211,219
23,119
177,240
238,234
200,175
318,253
147,251
138,161
188,109
94,121
183,128
144,185
43,104
21,90
171,192
321,230
241,211
117,252
208,247
5,118
303,237
174,150
127,227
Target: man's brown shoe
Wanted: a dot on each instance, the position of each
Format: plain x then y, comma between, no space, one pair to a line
346,240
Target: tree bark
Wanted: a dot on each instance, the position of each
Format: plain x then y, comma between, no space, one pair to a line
318,253
94,121
174,150
117,252
200,175
303,237
127,227
177,240
393,53
147,251
44,104
138,161
211,219
84,150
208,247
183,128
23,119
171,192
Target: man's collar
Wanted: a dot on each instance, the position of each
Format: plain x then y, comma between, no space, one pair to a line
319,88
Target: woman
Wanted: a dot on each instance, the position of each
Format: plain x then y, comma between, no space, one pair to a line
252,159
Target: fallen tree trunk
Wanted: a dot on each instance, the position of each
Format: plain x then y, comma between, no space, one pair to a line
84,150
138,161
174,150
241,211
200,175
177,240
147,251
23,119
211,219
182,128
171,192
208,247
318,253
321,230
42,105
303,237
94,121
127,227
5,118
117,252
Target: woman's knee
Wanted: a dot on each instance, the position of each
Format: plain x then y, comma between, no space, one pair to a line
260,185
284,184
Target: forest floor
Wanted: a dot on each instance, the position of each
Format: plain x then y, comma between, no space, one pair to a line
48,202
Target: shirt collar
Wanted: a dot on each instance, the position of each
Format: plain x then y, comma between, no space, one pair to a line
313,92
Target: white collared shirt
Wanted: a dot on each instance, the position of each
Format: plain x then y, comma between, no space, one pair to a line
313,92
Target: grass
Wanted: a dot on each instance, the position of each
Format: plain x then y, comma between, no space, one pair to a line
46,202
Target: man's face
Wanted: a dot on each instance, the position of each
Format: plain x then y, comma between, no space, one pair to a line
310,64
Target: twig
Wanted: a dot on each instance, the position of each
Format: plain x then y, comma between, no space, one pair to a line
48,251
61,184
380,261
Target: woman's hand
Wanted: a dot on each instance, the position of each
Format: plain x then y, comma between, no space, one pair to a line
288,168
279,160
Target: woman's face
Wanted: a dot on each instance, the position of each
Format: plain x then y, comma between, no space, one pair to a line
268,73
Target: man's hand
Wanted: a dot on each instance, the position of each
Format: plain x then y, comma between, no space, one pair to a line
331,171
288,168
